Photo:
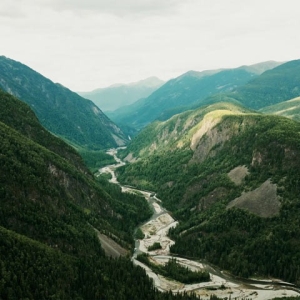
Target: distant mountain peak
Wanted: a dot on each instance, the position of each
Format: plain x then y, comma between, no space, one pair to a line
261,67
199,74
152,81
122,94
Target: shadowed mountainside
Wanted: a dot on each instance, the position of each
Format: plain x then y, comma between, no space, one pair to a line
49,209
60,110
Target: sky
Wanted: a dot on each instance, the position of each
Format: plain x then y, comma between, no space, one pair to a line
89,44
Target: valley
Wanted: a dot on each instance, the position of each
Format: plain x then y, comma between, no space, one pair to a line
222,283
216,155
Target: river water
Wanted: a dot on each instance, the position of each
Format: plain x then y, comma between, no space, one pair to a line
222,284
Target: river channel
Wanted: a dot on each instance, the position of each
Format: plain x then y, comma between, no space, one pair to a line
222,284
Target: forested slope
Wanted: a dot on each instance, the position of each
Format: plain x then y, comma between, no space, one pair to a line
231,178
273,86
289,109
19,116
60,110
48,208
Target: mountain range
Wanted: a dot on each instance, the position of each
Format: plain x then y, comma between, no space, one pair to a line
118,95
60,110
181,93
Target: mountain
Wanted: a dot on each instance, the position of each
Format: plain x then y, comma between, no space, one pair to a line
289,109
180,93
230,176
51,209
118,95
60,110
262,67
19,116
49,178
279,84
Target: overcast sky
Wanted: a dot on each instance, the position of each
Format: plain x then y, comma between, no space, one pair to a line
87,44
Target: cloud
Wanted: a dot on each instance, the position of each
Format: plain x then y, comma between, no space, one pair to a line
86,44
115,7
9,10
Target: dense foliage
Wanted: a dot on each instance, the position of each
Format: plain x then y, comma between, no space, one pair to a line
273,86
197,191
50,209
96,159
19,116
139,234
154,246
31,270
174,270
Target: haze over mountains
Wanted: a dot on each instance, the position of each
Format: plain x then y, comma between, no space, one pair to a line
118,95
180,93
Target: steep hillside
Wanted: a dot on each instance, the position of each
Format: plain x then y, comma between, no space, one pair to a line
19,116
49,209
183,91
289,109
60,110
49,178
116,96
273,86
231,178
178,131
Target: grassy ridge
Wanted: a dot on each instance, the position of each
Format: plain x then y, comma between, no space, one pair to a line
289,109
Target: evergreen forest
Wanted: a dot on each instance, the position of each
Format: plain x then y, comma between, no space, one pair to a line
51,205
220,148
